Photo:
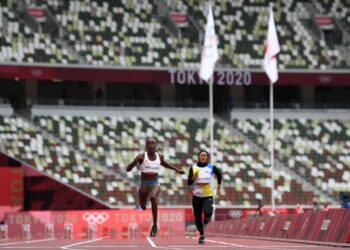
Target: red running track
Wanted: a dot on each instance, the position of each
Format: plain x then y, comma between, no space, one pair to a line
147,243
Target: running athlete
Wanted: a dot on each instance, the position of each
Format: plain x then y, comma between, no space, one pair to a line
201,177
149,164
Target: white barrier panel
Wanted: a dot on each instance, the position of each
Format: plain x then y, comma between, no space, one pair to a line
68,231
133,229
92,230
25,231
108,222
113,233
49,231
3,231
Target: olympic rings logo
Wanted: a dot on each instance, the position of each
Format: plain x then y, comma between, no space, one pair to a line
235,214
98,218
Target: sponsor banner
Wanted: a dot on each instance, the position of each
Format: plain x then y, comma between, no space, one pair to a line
11,186
105,220
234,77
7,209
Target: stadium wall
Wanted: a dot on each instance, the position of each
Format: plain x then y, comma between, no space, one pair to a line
328,226
169,75
325,226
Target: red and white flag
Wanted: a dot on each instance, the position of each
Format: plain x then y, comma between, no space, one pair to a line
210,49
272,48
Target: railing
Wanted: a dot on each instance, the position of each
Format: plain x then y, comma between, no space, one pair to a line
219,108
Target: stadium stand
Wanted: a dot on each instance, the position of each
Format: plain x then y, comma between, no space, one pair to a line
316,149
68,145
84,83
308,144
27,143
21,44
131,33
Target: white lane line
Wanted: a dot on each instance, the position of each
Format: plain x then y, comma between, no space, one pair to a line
12,243
165,247
85,247
201,246
151,242
285,246
259,247
225,243
135,246
29,247
23,242
79,243
33,241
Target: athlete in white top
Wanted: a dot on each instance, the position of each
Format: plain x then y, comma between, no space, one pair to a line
149,163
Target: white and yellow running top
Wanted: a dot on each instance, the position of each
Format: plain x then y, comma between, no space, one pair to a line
203,183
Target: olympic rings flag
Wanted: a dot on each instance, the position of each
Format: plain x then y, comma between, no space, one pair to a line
210,52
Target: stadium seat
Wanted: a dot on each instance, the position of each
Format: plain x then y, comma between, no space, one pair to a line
129,33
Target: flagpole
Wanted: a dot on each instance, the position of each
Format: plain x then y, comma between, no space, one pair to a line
272,153
272,48
211,120
209,57
211,125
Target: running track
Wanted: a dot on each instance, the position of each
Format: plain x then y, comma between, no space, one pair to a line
147,243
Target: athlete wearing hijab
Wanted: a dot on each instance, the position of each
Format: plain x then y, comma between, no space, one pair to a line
201,178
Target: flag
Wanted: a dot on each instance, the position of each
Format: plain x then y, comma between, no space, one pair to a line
272,48
210,49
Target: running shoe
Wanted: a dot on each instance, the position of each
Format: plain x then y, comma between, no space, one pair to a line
153,232
201,239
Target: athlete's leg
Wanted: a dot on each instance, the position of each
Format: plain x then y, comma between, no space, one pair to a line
197,205
154,197
208,210
143,195
153,232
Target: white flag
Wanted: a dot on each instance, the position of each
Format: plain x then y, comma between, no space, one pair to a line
272,48
210,49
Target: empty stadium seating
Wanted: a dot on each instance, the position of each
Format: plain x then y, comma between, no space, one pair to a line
18,43
27,143
91,153
129,33
315,149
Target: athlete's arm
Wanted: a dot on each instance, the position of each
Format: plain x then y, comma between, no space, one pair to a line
218,175
138,160
190,178
168,165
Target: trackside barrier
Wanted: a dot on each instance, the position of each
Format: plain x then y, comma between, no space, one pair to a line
327,226
68,231
339,223
133,230
93,223
293,225
302,224
281,228
113,233
25,231
3,231
92,231
49,232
